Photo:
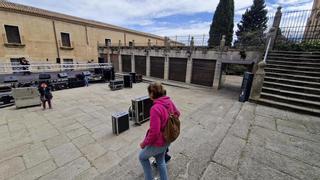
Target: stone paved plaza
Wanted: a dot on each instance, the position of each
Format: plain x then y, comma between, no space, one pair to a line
220,139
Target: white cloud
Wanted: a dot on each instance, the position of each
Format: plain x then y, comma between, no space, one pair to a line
124,12
143,13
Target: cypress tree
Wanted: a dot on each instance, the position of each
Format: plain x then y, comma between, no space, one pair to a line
253,24
222,23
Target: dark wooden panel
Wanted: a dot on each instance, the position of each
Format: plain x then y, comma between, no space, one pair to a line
140,64
157,67
115,61
203,72
126,63
178,69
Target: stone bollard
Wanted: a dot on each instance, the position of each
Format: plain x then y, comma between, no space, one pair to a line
257,83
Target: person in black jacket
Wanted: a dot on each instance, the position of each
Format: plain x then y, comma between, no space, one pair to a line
45,95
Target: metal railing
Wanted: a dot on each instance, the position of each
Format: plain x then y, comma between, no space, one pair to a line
7,68
298,29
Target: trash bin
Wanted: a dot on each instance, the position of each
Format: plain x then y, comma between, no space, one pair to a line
246,87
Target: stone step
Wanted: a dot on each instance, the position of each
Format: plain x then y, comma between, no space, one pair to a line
292,94
298,68
290,107
294,58
296,72
282,62
293,81
295,55
306,90
296,52
293,76
290,100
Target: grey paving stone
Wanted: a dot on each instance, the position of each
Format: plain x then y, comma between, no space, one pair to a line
43,132
217,172
284,164
56,141
69,171
11,167
71,127
36,171
83,140
229,152
290,124
253,170
36,156
242,124
64,153
260,136
296,130
265,122
89,174
105,162
78,132
283,144
93,151
14,152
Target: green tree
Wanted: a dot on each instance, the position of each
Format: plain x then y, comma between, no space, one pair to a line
253,24
222,23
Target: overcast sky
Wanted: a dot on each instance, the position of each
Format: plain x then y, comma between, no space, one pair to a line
161,17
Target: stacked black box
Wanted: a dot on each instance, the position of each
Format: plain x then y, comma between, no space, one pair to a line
133,77
120,122
246,87
138,78
127,81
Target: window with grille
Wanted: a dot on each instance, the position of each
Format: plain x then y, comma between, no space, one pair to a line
66,65
108,42
15,62
12,33
65,38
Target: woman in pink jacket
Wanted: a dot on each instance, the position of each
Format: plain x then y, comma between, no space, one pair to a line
154,144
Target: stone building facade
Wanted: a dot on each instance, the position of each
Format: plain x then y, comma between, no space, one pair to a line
43,36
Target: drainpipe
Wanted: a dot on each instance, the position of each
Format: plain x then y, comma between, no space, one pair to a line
56,39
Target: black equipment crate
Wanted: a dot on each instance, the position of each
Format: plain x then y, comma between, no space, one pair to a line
120,122
63,75
44,76
75,82
116,85
140,109
10,79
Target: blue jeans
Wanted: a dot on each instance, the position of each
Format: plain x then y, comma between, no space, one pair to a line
158,153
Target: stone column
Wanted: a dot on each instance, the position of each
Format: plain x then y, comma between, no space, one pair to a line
166,67
217,74
189,70
257,83
148,65
133,63
218,69
108,55
120,62
275,27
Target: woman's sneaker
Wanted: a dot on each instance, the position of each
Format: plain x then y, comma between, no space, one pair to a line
167,158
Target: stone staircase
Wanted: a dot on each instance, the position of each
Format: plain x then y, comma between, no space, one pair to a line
292,81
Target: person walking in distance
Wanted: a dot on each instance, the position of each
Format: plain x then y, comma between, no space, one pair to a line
45,95
154,144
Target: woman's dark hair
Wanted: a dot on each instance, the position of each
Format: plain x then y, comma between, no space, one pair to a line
156,90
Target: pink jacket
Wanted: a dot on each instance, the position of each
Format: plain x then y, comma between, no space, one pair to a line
158,119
